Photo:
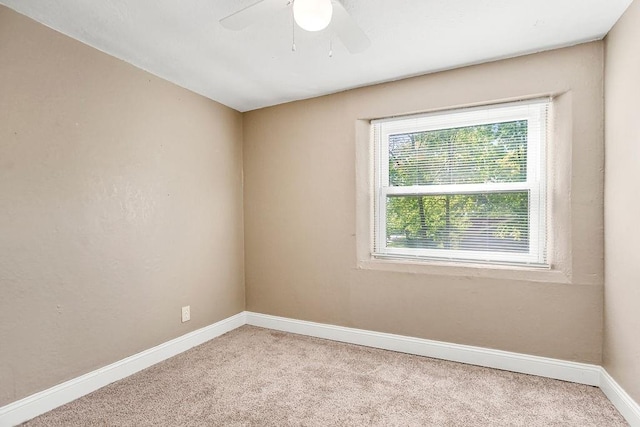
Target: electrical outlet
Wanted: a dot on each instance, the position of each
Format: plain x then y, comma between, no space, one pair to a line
186,313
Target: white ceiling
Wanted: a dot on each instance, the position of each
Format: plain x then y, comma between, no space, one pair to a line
183,42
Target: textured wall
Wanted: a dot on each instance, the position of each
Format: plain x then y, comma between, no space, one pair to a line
300,216
120,202
622,206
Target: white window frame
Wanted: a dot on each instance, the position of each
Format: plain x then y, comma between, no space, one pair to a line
535,185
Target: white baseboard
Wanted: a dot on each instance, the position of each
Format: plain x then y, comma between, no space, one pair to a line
44,401
581,373
39,403
628,407
534,365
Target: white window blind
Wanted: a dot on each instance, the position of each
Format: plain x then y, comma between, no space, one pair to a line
467,184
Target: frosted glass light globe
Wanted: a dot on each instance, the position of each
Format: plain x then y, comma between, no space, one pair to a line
312,15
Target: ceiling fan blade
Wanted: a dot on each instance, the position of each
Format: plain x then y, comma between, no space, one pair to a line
251,14
349,32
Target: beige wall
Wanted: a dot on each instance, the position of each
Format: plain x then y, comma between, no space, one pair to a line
120,202
300,216
622,206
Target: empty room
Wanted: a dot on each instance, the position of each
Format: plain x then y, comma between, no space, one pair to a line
320,213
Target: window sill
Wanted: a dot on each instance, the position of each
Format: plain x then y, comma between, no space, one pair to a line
467,269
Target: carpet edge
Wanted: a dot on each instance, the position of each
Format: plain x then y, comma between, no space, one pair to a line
594,375
36,404
623,402
577,372
582,373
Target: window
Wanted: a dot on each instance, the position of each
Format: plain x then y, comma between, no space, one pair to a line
462,185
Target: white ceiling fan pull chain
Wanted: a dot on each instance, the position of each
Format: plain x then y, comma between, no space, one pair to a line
293,27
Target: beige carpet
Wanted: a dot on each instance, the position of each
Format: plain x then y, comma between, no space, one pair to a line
259,377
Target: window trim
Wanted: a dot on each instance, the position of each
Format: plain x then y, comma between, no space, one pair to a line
535,184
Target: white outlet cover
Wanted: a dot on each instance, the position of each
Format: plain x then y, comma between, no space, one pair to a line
186,313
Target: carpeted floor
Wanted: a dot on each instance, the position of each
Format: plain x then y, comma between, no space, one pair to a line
259,377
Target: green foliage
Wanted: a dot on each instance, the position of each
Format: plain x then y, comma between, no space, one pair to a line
493,153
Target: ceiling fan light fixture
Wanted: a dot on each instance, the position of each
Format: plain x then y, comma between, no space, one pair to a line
312,15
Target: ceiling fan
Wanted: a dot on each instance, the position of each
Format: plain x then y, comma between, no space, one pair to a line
310,15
